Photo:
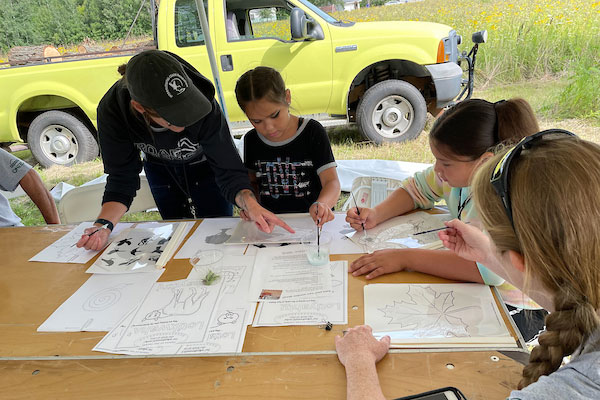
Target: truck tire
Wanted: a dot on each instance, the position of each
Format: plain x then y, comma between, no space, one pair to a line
60,138
391,111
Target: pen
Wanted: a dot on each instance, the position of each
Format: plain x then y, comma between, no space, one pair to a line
434,230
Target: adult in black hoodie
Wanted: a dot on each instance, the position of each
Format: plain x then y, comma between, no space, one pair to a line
162,116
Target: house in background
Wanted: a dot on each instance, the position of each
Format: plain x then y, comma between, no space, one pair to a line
350,5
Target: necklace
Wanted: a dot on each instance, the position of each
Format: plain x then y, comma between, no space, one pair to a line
462,204
186,193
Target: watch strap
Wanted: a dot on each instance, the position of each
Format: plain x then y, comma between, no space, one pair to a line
106,222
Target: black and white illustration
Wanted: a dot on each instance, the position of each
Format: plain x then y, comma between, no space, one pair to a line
246,232
100,302
175,312
211,234
134,250
457,313
399,232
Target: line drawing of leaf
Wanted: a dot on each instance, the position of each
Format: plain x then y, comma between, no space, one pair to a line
428,313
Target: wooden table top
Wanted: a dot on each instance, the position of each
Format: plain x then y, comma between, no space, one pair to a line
277,362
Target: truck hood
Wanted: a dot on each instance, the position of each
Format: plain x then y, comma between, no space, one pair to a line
396,29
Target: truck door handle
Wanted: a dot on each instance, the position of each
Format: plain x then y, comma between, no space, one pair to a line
227,62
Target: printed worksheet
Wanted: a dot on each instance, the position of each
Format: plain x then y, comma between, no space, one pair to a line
399,232
135,250
210,235
316,311
187,317
435,314
225,335
100,303
246,232
284,273
65,251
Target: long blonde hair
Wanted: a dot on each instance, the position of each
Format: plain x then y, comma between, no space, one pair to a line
555,196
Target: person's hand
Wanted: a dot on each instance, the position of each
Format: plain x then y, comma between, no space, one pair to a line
265,220
320,213
467,241
95,241
359,346
244,215
367,217
378,263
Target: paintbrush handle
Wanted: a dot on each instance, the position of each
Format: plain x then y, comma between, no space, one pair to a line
433,230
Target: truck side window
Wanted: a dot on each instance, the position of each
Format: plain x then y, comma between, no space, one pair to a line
188,31
270,22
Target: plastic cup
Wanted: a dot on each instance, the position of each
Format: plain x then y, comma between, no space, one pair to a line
317,251
207,265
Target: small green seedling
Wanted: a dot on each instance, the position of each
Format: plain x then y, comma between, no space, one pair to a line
210,278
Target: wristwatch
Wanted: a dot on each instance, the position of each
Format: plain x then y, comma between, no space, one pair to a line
106,222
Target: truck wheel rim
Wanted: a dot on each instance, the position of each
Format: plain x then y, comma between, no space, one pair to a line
59,144
392,117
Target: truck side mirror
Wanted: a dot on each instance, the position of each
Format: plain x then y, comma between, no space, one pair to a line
298,24
303,27
479,37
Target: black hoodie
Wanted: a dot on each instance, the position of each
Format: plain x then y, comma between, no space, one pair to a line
123,134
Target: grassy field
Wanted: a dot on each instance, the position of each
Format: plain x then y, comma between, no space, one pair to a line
527,39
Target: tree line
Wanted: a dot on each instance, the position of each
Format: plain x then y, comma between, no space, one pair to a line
61,22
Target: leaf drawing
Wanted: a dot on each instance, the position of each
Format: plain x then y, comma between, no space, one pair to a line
429,313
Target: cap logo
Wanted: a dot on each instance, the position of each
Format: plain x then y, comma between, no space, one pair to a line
175,84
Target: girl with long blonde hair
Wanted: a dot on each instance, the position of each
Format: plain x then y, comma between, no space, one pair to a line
538,201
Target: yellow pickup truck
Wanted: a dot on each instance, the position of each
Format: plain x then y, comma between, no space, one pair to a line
385,76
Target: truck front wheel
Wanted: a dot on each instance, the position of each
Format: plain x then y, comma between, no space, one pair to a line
391,111
59,138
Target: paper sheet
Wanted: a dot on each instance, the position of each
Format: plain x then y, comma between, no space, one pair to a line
246,232
283,273
398,233
341,244
135,250
64,251
100,303
209,235
445,314
225,335
317,311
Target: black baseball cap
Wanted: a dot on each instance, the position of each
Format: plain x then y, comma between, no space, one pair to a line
157,80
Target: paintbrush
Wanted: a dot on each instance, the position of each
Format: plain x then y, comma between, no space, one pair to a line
433,230
358,212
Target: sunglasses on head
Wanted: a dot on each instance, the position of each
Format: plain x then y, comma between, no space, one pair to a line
501,173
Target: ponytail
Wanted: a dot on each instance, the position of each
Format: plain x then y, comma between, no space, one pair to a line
515,119
475,126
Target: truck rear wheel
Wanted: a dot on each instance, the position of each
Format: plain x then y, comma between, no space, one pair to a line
60,138
391,111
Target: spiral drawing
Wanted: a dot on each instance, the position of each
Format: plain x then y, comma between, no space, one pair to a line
102,300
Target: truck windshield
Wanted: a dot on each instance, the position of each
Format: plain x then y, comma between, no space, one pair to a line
328,18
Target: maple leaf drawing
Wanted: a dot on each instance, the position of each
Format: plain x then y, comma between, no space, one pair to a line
429,314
